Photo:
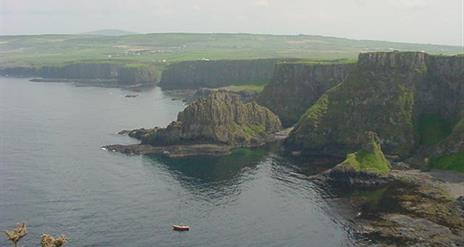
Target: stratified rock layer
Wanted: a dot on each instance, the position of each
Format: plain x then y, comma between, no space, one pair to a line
387,93
296,86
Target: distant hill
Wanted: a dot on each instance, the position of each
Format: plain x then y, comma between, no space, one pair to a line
110,32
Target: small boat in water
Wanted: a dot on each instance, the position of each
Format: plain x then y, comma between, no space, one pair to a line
180,228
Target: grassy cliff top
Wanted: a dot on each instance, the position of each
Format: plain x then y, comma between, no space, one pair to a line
165,48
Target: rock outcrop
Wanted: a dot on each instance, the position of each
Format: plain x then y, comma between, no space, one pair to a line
220,119
388,93
294,87
216,73
367,167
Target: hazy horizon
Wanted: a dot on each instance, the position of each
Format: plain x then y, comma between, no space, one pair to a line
410,21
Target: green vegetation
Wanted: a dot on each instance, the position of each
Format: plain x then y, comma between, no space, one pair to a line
245,87
363,161
369,159
454,162
254,130
432,128
318,109
166,48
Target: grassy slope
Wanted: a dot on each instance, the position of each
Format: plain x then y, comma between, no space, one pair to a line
165,48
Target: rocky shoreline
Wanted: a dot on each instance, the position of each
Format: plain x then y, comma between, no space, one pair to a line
396,207
171,151
413,209
402,208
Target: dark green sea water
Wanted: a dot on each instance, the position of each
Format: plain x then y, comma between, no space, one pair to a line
55,177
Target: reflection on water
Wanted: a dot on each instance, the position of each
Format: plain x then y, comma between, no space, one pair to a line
213,169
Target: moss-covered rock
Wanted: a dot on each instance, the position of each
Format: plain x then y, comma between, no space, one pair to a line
366,168
370,159
220,118
387,93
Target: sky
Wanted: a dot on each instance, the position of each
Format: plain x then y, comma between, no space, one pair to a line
416,21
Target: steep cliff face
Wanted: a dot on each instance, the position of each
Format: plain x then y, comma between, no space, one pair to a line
296,86
137,75
219,73
89,71
220,118
81,71
386,93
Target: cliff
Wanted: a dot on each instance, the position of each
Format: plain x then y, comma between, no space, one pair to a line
217,73
141,74
106,72
390,93
296,86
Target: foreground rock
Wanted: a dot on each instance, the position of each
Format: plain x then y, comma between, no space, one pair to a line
211,125
413,210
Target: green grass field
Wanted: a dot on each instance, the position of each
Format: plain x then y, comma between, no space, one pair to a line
165,48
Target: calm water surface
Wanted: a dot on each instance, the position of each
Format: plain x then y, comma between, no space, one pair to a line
55,177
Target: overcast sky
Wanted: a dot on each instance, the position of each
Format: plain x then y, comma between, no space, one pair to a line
422,21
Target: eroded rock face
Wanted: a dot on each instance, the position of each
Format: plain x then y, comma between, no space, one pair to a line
385,93
220,118
217,73
296,86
